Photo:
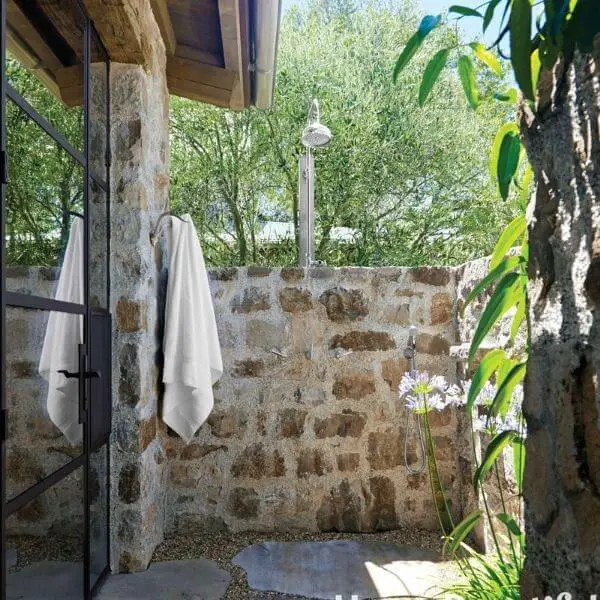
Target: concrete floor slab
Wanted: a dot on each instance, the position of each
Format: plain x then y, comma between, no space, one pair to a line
346,569
171,580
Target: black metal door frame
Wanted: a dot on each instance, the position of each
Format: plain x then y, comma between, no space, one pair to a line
13,299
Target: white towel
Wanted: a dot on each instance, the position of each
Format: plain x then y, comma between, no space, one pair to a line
64,333
192,354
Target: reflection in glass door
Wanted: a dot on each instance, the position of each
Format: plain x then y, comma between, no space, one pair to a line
55,379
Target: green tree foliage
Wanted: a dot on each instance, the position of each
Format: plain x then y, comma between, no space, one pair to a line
45,183
411,182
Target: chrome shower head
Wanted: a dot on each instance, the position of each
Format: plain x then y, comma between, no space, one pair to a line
315,134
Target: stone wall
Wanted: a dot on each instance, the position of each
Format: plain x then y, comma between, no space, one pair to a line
317,443
139,194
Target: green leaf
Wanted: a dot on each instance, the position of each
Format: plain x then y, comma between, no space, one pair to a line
409,51
431,74
428,24
505,390
510,96
508,264
489,13
486,57
512,232
525,187
519,454
495,152
520,45
505,368
492,452
465,11
507,293
487,367
583,26
536,67
466,73
510,523
461,531
508,162
518,320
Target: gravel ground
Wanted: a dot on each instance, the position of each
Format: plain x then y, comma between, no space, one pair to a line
222,547
32,549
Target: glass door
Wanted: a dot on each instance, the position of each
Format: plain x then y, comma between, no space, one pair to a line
55,396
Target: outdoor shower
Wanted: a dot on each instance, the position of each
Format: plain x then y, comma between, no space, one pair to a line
315,135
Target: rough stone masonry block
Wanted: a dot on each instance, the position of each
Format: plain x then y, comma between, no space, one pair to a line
386,449
344,305
129,484
437,276
295,300
348,462
341,508
364,341
311,461
354,385
291,422
227,423
392,371
256,463
441,309
131,315
249,368
432,344
345,424
251,299
243,503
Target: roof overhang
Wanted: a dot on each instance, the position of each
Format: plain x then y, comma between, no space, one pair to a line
218,51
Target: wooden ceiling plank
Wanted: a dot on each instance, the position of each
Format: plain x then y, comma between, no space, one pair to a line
196,55
229,16
161,14
233,16
20,25
189,70
198,91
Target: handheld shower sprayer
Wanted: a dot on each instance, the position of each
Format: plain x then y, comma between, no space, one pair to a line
410,353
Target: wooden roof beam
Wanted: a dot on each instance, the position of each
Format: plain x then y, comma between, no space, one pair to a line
161,14
235,34
127,29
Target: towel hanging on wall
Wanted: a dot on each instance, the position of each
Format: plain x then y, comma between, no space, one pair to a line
192,354
64,333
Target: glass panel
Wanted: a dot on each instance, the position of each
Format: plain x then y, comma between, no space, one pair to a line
98,484
98,273
45,541
45,61
43,405
98,108
43,196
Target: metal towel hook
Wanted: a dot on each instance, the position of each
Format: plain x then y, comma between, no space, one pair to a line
156,231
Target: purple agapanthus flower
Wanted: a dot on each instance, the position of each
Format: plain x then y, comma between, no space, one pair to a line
423,392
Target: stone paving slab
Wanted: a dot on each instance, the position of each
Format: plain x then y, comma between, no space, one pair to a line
46,580
324,570
172,580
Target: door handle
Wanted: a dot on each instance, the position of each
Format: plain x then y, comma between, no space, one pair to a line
86,374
